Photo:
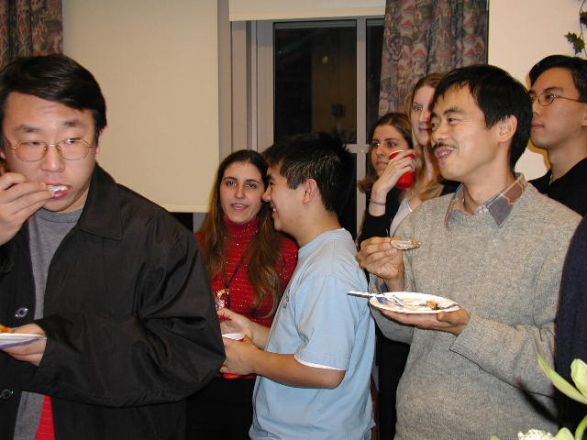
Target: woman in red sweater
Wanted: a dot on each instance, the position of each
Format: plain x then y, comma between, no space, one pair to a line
249,264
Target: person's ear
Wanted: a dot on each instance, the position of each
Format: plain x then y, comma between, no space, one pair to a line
584,119
310,190
506,128
98,140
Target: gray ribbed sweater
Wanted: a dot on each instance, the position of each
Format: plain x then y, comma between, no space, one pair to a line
474,385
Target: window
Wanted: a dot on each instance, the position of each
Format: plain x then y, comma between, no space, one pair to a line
315,78
305,76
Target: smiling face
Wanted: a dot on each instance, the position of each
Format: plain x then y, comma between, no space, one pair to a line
420,114
388,139
562,121
285,202
240,192
467,151
29,118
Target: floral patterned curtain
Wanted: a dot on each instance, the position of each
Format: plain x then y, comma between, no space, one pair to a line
424,36
29,27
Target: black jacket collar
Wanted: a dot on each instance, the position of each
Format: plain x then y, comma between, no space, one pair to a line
102,212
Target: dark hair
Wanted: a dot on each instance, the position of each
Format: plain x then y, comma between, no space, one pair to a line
575,65
317,156
264,250
397,120
498,95
54,78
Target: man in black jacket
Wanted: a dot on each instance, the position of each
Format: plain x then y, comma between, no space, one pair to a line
110,284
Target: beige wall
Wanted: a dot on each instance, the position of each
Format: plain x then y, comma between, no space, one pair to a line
157,63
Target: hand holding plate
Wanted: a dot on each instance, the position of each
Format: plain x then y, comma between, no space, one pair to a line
232,322
31,352
449,322
240,356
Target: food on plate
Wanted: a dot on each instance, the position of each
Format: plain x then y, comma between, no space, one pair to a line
404,245
4,329
413,302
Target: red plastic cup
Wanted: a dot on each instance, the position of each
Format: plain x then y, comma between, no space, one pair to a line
236,337
407,179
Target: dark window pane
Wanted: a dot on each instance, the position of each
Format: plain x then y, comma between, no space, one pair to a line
315,78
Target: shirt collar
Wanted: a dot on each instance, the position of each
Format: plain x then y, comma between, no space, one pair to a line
499,206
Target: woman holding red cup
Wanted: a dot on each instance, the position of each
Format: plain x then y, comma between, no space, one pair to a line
391,166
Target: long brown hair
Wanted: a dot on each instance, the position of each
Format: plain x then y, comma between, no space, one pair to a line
422,189
400,122
264,250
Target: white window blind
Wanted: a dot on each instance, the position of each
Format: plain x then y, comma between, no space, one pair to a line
243,10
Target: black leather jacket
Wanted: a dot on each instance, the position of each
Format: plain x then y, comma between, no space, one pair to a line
129,317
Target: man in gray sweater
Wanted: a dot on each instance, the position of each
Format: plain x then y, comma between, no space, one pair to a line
497,248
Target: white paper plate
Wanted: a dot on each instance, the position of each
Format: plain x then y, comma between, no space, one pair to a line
413,303
14,339
235,336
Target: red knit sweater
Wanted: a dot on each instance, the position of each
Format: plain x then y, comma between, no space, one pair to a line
241,291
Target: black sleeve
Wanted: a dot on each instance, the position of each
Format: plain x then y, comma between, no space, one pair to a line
378,226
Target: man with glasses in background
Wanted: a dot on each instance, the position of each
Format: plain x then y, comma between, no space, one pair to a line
559,94
112,287
559,103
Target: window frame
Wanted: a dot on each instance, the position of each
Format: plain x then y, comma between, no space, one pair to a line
252,97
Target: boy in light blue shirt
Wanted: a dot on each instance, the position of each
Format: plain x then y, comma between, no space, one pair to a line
314,364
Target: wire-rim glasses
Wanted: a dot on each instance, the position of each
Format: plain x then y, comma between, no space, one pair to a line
547,98
69,149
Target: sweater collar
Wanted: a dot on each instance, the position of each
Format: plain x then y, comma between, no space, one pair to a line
499,206
248,229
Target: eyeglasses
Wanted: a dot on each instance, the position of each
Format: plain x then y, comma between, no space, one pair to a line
68,149
547,98
386,143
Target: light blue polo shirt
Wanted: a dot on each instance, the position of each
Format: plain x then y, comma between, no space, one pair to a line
321,325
